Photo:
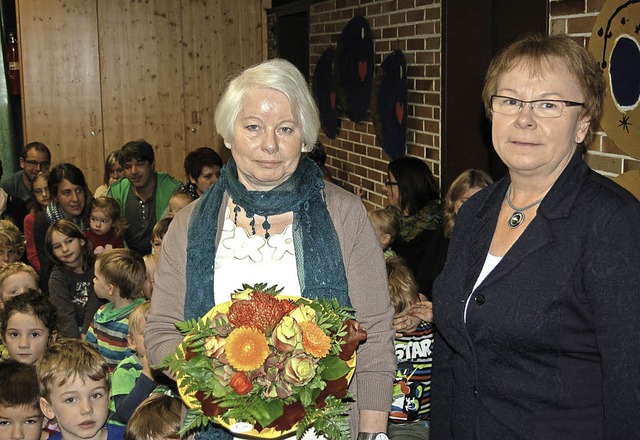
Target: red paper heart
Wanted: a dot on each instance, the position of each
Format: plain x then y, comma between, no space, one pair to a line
399,112
333,100
362,69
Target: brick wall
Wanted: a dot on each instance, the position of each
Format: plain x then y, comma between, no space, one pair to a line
577,18
413,26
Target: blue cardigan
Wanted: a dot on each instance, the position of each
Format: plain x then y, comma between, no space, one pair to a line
551,346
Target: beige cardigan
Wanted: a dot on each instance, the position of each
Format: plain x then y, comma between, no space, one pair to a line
368,291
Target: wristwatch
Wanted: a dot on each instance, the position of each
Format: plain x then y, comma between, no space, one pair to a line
372,436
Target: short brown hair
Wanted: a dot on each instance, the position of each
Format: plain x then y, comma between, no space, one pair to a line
124,269
11,237
157,417
536,49
161,227
403,287
67,359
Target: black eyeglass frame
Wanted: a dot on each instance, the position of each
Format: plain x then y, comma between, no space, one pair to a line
390,183
565,102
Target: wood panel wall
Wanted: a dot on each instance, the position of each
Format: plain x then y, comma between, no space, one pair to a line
99,73
61,80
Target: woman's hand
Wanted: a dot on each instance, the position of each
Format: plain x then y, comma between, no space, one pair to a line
409,319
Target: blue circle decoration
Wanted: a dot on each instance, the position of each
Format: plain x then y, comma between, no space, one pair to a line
625,72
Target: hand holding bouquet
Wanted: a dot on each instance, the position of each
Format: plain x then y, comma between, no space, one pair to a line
267,365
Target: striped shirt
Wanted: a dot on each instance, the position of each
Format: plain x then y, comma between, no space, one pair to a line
108,331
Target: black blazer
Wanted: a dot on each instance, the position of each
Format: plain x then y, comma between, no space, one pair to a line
551,344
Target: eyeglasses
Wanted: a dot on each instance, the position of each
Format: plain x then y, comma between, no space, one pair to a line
543,108
390,183
35,163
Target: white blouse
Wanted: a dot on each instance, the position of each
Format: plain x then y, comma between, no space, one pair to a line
251,259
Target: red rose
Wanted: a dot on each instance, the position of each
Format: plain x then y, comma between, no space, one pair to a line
209,407
241,383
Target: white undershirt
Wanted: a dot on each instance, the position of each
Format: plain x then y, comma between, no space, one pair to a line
490,263
251,259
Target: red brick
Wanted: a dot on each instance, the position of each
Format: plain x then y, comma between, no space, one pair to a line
432,14
604,163
595,5
416,15
406,4
566,7
425,28
580,25
416,44
631,165
391,32
407,31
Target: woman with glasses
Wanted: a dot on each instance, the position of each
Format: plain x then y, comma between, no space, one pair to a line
537,306
414,196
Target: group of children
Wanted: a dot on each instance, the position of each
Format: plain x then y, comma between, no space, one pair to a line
81,383
83,343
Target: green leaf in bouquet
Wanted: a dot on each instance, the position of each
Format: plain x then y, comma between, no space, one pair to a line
333,368
332,420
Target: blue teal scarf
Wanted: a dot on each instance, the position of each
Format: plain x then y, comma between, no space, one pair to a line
319,262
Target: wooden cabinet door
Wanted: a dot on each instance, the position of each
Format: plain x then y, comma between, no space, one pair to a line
142,77
61,81
220,38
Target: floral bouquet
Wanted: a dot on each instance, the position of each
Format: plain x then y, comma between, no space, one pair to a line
266,365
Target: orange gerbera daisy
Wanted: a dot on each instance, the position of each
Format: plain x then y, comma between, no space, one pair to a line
246,349
314,340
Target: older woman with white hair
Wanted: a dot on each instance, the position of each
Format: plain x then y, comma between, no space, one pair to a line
272,219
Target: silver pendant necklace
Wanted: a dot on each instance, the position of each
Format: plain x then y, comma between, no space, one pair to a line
517,218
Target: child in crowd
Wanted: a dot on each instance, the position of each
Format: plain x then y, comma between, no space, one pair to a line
41,194
113,171
386,225
466,185
150,263
119,275
71,281
16,278
11,242
20,414
28,323
106,226
133,379
74,388
159,231
411,407
178,200
157,418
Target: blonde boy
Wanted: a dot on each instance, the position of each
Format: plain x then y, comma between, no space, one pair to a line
16,278
20,414
178,201
133,379
119,276
157,418
11,243
386,225
74,388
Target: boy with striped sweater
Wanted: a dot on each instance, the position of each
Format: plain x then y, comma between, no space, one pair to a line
119,276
